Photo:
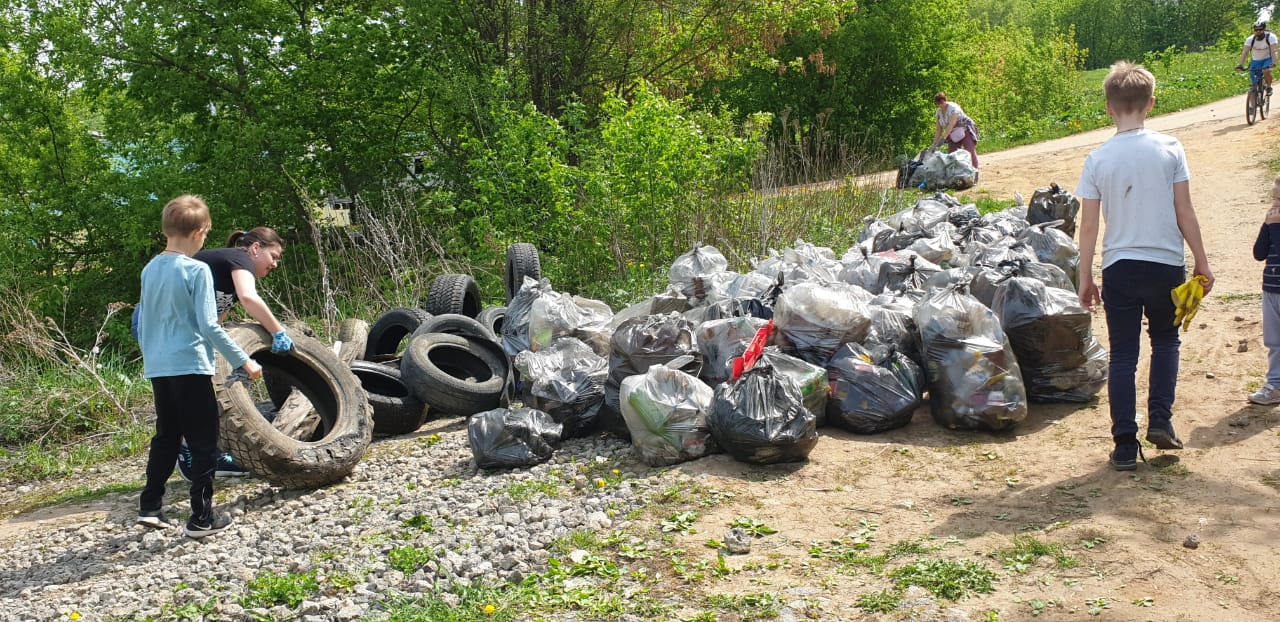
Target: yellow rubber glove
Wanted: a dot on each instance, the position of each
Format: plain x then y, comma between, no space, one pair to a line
1186,299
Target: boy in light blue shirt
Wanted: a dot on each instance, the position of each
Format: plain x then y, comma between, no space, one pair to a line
178,332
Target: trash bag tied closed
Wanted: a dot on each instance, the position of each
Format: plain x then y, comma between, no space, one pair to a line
666,412
760,418
504,438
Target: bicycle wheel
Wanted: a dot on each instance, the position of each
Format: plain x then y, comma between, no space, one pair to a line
1250,108
1266,106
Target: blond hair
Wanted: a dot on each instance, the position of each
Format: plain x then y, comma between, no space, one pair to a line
1128,87
184,216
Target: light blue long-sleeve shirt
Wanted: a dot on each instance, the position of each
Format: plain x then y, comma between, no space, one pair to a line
178,321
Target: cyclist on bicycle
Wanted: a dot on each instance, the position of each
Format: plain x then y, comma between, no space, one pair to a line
1260,48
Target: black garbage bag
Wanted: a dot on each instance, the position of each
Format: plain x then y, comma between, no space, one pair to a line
1054,204
1052,336
809,378
565,380
760,418
666,411
638,344
987,279
813,320
973,375
905,269
872,391
504,438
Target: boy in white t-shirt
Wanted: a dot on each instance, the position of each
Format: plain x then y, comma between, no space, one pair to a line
1138,182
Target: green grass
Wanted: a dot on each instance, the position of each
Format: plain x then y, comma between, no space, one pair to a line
1027,549
1182,81
952,580
268,589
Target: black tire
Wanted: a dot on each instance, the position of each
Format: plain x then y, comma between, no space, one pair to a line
395,409
522,261
455,375
389,330
339,441
353,339
455,324
453,293
1250,108
1264,107
492,319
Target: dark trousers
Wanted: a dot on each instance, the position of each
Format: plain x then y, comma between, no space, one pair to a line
1130,290
185,407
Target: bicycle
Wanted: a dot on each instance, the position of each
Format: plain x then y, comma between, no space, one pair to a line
1257,103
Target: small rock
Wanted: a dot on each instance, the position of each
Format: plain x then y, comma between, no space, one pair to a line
907,503
1243,347
738,541
1209,375
1238,422
1192,541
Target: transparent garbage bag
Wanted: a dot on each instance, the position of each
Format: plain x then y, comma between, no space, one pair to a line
987,279
876,235
1052,246
504,438
810,379
1052,336
515,327
552,317
941,171
760,418
565,380
666,410
691,268
973,375
1010,221
720,341
924,215
813,320
938,246
873,391
637,345
861,267
893,324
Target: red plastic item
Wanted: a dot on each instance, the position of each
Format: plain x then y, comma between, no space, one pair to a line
754,349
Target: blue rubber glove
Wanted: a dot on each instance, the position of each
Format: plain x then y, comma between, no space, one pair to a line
280,342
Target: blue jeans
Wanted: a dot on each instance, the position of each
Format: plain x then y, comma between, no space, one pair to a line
1131,289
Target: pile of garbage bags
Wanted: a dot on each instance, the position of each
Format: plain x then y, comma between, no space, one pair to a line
974,314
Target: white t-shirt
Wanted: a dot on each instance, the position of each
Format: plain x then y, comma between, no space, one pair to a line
1260,47
1133,175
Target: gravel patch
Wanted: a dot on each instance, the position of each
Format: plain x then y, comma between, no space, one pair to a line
417,496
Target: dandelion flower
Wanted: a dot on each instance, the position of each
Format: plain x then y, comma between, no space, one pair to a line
74,615
617,472
600,483
489,609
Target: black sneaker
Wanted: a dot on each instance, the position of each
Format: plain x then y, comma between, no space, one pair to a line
219,522
228,467
1162,436
154,519
185,462
1125,456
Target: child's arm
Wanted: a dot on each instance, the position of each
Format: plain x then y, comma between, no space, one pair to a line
1087,289
1189,225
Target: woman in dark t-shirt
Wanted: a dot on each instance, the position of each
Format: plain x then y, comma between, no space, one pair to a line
248,256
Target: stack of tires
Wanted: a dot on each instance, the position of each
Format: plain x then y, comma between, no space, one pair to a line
443,359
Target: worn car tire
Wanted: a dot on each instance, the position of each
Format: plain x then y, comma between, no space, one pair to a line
346,425
492,319
453,293
455,375
522,261
395,409
455,324
353,339
390,329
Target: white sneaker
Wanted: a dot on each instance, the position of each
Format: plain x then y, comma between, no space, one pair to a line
1267,395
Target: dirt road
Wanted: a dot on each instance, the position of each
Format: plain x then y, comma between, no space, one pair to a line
970,494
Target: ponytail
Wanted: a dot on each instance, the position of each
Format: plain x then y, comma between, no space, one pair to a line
266,236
